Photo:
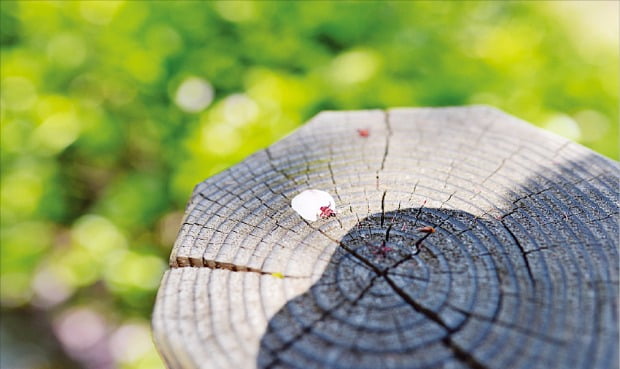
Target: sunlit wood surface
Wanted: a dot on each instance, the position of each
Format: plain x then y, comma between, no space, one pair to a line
521,271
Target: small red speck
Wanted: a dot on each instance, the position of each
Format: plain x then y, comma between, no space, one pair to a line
382,250
363,132
326,212
427,229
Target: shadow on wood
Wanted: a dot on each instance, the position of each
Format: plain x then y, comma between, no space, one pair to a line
472,294
521,272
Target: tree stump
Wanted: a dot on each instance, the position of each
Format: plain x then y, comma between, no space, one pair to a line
464,238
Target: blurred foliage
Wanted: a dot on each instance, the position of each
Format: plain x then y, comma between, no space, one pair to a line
113,110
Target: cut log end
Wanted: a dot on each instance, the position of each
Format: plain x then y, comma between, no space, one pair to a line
464,238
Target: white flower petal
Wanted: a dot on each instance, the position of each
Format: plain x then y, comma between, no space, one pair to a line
308,203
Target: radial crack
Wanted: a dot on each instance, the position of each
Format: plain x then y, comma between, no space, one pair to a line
383,207
387,138
191,262
307,329
459,353
523,252
386,119
278,170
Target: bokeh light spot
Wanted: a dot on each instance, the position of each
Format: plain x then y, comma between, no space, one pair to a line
80,328
143,65
49,290
57,132
236,11
97,235
17,93
100,12
67,50
21,192
239,109
194,95
131,270
354,66
130,342
220,139
564,126
49,105
592,124
164,39
76,267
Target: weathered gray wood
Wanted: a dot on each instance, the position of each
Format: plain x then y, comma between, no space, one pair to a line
522,271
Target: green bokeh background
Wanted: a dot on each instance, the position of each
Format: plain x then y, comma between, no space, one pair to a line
101,146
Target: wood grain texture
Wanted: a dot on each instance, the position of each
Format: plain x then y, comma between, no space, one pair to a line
522,271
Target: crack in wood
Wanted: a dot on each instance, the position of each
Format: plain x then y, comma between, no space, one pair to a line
383,207
523,253
278,170
501,165
462,355
386,120
307,329
191,262
387,138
